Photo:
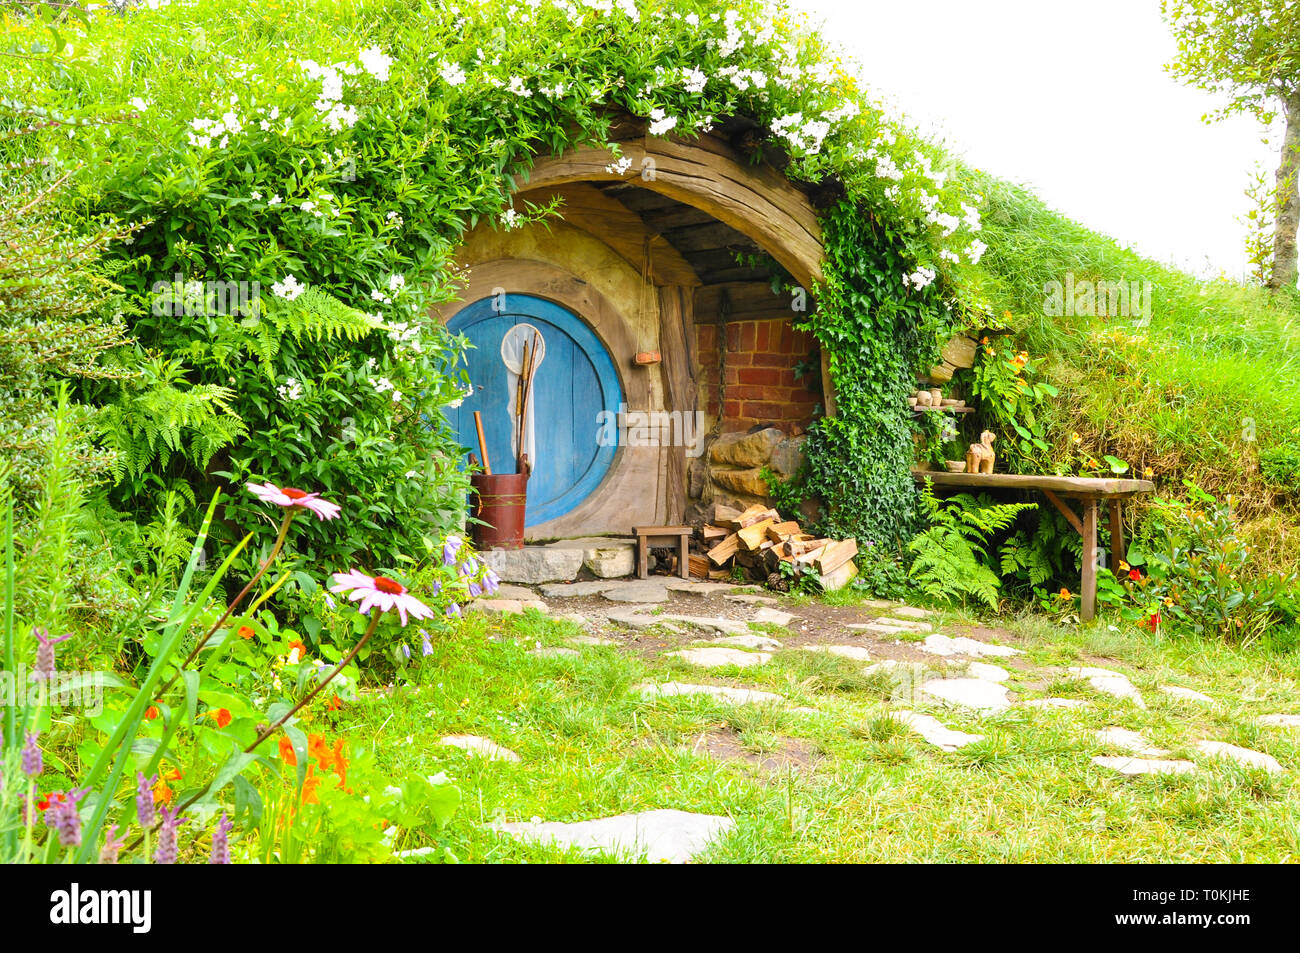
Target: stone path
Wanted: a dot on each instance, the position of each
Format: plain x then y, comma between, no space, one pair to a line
935,732
1129,741
974,693
726,693
1130,767
663,836
480,746
720,657
1251,759
1109,682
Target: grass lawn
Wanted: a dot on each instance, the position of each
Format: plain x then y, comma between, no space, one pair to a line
847,782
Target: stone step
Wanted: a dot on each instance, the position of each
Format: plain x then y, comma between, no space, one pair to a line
609,557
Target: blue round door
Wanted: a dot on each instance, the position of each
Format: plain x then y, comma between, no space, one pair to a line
574,382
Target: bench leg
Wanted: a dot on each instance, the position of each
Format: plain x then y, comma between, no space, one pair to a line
1117,552
642,557
1088,586
684,556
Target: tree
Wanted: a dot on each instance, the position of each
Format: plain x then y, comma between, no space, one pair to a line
1249,50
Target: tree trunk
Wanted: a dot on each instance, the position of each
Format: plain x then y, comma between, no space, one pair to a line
1288,201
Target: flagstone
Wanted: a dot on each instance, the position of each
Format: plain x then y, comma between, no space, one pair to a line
726,693
1109,682
973,693
1131,767
1129,741
773,617
1188,694
855,652
661,836
639,590
934,731
1280,721
938,644
480,746
990,673
593,640
748,642
907,625
711,657
506,606
569,590
911,612
1252,759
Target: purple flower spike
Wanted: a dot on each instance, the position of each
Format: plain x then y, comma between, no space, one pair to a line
426,648
329,601
475,590
491,582
450,547
167,851
44,670
221,842
33,763
453,609
112,846
64,818
144,799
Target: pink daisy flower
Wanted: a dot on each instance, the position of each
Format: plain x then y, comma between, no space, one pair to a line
290,497
379,592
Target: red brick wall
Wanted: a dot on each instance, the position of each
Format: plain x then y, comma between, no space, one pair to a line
760,384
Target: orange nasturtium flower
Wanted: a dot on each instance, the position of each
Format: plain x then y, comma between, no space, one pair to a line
1064,593
334,704
245,632
151,713
287,754
222,716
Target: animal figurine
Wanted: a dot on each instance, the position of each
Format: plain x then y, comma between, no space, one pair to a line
980,456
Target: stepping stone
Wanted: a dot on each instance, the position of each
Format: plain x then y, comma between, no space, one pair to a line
508,591
642,590
593,640
1252,759
577,618
748,599
738,696
570,590
1280,721
1131,767
882,604
907,625
480,746
875,628
749,642
1187,694
552,651
663,836
635,617
717,624
969,693
773,617
990,673
721,657
935,732
943,645
1129,741
506,606
1110,682
910,612
1055,703
700,588
855,652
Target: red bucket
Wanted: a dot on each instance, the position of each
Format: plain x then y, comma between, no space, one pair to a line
500,499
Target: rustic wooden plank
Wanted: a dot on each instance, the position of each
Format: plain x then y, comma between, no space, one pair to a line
777,532
1068,513
1114,509
708,532
1065,486
700,567
751,537
1088,585
726,549
836,555
677,342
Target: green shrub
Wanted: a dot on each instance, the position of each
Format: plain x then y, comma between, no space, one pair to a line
1281,466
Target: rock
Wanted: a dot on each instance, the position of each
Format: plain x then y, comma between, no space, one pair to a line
875,628
519,593
608,557
943,645
577,618
1110,683
1280,721
553,651
697,587
637,617
968,692
788,456
640,590
910,612
1129,741
1187,694
1252,759
1055,703
663,836
1131,767
721,657
882,604
773,617
571,590
749,482
745,450
480,746
990,673
751,599
738,696
933,731
855,652
512,606
593,640
716,624
907,625
749,642
534,564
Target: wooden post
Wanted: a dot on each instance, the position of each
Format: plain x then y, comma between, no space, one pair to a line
684,555
1088,593
1114,507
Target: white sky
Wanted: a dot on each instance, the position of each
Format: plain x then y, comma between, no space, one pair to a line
1072,100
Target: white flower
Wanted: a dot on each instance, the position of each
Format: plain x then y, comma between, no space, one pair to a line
291,389
288,289
976,251
274,200
661,122
695,79
308,206
376,63
620,167
452,74
381,384
919,278
397,396
396,283
139,105
511,219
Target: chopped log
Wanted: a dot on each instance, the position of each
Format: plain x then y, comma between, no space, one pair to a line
806,560
752,536
699,567
722,552
797,547
741,520
713,532
719,574
777,532
836,555
840,577
722,515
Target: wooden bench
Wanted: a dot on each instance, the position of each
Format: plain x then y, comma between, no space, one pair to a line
650,536
1089,491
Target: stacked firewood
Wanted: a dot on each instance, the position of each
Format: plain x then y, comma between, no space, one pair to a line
760,541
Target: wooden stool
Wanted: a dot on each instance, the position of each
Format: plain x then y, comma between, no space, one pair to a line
648,536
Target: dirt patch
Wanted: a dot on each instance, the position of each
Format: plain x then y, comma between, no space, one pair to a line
724,744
